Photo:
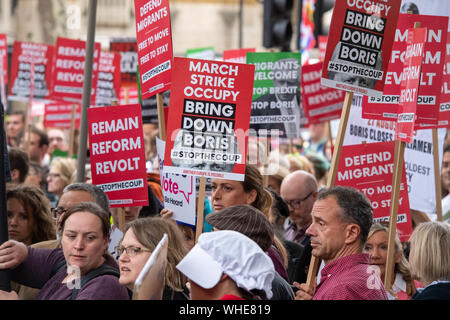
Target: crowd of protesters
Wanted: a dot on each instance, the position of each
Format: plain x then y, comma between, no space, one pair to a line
259,236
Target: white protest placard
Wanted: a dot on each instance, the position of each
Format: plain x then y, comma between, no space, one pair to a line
149,284
178,190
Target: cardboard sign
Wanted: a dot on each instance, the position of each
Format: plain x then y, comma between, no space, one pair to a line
31,62
369,168
410,84
444,108
236,55
320,103
419,161
206,53
149,284
68,74
154,43
209,116
276,94
59,115
178,190
359,45
117,155
127,48
386,107
108,84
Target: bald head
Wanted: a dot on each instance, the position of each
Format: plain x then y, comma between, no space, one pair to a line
299,190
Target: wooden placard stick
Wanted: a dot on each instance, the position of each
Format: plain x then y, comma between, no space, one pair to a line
200,208
329,133
72,131
437,175
161,119
121,218
395,195
28,113
315,262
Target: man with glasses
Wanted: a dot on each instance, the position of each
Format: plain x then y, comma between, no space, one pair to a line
299,190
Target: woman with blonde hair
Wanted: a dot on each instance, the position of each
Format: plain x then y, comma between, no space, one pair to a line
299,162
429,259
60,173
140,239
402,285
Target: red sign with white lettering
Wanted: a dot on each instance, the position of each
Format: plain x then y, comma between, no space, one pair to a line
154,46
68,74
386,106
320,103
369,168
116,145
59,115
4,58
109,79
31,62
444,109
409,87
236,55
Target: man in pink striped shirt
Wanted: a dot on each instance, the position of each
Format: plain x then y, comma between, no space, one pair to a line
341,220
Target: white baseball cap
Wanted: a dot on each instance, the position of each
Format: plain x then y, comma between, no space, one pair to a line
232,253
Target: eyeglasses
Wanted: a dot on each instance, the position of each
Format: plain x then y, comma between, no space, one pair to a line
296,203
58,211
131,251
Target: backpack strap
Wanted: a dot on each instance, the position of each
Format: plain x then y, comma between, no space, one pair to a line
100,271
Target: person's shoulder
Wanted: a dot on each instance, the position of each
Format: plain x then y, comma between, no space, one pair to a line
103,287
49,244
438,291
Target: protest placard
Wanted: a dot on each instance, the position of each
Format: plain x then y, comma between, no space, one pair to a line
320,103
206,53
149,284
444,108
322,47
386,106
127,48
31,60
419,164
109,82
178,190
117,154
359,45
236,55
154,45
68,73
409,86
59,115
209,116
276,101
368,167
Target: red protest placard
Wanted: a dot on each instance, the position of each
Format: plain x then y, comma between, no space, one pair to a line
209,118
359,45
409,87
236,55
128,58
386,107
68,74
59,115
116,145
322,46
109,82
31,60
154,43
369,167
444,108
4,58
321,103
